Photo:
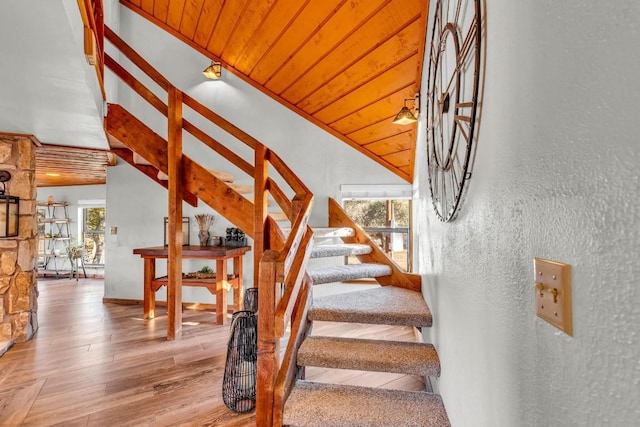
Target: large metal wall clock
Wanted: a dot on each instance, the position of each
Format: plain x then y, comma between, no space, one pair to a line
452,101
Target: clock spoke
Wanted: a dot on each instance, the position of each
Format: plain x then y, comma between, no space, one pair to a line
468,43
456,168
458,7
439,22
466,133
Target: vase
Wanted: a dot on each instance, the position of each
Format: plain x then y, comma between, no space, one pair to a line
203,235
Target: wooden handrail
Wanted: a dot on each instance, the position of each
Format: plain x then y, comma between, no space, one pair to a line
298,229
134,84
293,283
281,199
91,12
280,264
135,58
221,122
289,371
296,184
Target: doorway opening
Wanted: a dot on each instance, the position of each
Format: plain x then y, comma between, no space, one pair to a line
91,228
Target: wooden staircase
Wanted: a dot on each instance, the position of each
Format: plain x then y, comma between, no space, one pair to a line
281,272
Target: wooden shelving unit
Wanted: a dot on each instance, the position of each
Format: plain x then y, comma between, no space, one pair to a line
55,238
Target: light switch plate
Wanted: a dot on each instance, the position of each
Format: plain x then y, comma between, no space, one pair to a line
553,293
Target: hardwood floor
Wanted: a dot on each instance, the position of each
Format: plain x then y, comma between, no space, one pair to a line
95,364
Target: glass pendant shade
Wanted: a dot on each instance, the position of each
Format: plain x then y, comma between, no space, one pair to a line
405,117
213,71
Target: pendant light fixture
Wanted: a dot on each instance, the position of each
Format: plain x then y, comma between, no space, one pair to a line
405,116
213,71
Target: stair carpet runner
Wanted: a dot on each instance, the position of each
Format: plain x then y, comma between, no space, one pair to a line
327,405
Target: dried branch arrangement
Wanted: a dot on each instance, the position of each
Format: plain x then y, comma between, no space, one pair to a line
205,221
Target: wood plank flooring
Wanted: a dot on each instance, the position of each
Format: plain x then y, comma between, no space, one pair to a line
95,364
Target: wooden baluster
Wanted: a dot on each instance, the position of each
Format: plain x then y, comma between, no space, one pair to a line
174,263
260,239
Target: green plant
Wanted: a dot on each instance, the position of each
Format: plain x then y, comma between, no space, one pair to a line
206,270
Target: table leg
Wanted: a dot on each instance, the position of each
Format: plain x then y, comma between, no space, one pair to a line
149,294
238,291
221,291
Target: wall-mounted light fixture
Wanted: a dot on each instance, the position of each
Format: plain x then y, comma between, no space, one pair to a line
213,71
405,116
9,209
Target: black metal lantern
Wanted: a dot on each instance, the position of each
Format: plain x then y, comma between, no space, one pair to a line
240,370
9,209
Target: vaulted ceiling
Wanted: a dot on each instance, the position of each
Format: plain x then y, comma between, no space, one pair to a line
345,65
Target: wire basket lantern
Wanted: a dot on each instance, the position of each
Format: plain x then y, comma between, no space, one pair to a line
250,302
239,381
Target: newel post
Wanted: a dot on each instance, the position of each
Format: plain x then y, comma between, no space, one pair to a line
268,345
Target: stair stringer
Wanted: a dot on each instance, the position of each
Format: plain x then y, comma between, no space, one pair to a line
398,277
133,133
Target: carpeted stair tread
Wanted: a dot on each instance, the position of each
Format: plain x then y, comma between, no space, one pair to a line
332,405
279,216
241,188
333,232
413,358
346,249
340,273
386,305
327,233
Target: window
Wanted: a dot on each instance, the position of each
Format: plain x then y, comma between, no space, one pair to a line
92,225
384,212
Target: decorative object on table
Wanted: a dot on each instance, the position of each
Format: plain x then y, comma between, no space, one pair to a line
239,381
235,237
453,107
205,221
9,209
186,233
205,273
216,240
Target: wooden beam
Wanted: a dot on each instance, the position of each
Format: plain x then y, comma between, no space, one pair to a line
150,171
174,264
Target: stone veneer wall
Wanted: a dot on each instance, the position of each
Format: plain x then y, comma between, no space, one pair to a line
18,256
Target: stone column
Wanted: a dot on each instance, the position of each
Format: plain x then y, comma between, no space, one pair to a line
18,255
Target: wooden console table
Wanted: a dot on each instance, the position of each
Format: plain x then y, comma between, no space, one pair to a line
219,286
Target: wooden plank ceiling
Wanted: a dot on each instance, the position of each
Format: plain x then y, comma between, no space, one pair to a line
58,165
345,65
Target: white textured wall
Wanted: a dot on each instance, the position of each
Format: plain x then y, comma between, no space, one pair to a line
137,205
556,176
